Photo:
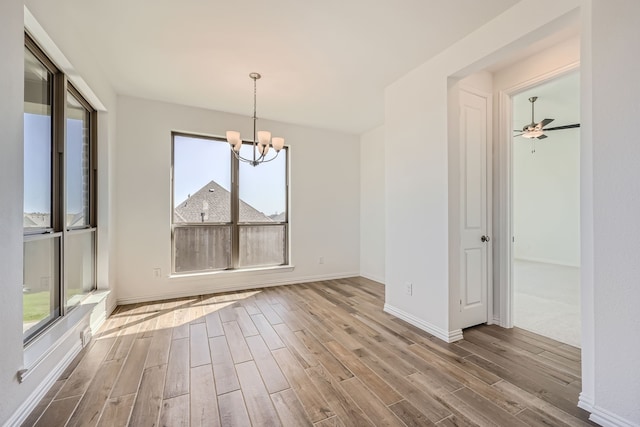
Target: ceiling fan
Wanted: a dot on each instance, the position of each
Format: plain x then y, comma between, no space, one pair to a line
537,130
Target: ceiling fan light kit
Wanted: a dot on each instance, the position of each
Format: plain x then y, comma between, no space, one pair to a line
262,140
535,130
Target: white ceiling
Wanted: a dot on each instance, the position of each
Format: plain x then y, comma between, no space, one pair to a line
324,63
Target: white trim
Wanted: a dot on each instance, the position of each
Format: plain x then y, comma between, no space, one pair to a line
602,416
231,288
606,418
585,402
102,317
38,350
34,398
506,230
373,277
41,390
244,271
447,336
505,136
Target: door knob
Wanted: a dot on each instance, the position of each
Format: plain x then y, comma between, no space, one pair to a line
485,238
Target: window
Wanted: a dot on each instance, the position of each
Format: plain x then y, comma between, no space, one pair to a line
226,214
59,194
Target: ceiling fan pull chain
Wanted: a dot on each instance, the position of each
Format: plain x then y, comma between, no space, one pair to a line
533,145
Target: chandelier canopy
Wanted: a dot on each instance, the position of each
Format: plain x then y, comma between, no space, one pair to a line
262,140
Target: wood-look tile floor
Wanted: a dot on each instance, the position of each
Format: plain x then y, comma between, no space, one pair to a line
322,354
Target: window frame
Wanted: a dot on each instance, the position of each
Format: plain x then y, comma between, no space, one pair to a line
234,222
60,88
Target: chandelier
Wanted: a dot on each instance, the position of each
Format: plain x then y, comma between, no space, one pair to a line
262,140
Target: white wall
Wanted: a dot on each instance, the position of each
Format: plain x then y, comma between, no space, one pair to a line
372,205
614,116
16,398
417,174
546,199
11,169
324,211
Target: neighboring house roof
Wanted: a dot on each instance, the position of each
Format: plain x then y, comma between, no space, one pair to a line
35,219
212,203
278,217
75,219
42,220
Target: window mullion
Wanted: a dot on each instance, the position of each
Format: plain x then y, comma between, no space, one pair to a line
59,175
93,169
235,212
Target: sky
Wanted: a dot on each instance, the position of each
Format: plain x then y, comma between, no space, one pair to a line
198,161
37,162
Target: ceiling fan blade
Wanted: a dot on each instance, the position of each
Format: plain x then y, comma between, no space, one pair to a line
543,136
545,122
575,125
520,134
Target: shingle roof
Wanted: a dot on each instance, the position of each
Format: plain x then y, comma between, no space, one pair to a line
43,220
212,203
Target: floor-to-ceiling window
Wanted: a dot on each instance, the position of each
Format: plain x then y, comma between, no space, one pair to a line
59,194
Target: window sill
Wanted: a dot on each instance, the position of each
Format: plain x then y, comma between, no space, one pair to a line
36,351
244,271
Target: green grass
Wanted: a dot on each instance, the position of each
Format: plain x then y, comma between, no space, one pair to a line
35,306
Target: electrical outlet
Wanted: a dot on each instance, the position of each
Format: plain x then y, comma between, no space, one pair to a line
408,288
85,337
321,260
157,273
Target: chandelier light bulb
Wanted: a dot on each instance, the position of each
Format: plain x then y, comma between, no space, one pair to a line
233,137
277,143
264,137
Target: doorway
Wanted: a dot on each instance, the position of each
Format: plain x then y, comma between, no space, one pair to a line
545,211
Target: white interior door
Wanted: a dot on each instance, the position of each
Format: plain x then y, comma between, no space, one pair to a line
475,241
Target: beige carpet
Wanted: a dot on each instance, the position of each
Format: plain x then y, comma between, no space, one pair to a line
547,300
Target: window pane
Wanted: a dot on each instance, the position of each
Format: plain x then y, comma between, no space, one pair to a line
40,297
77,163
79,260
263,188
201,180
37,144
262,245
202,248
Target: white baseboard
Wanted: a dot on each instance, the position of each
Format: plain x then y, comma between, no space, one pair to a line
602,416
233,288
585,402
609,419
372,277
447,336
34,398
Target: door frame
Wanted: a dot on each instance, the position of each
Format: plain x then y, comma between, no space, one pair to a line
505,226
